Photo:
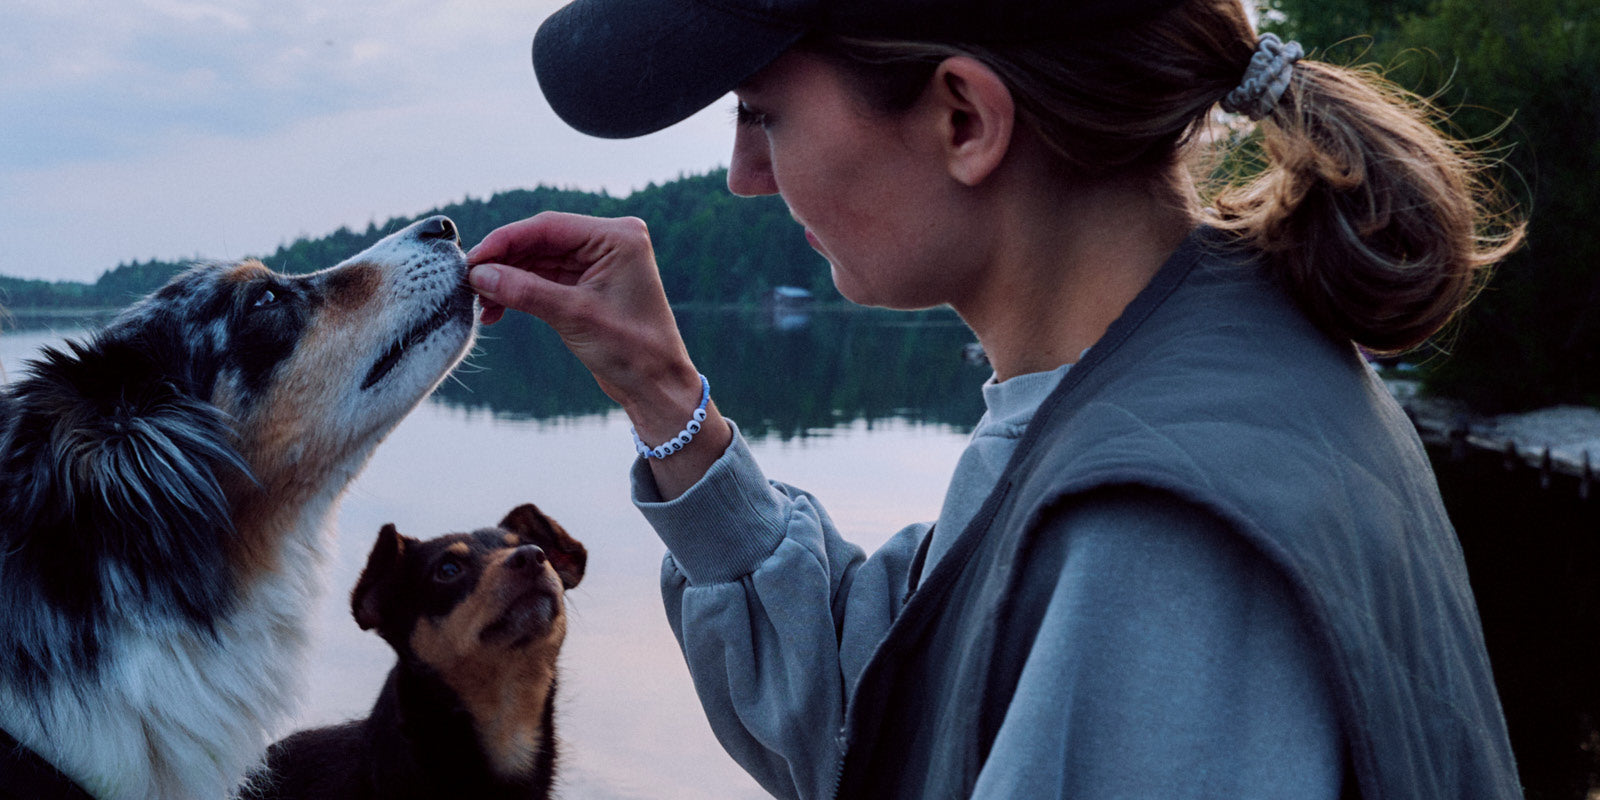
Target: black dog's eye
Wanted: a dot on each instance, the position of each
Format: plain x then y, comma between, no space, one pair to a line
266,298
447,570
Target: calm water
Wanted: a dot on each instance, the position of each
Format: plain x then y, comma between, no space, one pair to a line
868,410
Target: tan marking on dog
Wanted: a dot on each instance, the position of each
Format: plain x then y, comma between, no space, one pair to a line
353,287
511,540
294,442
245,271
293,451
504,689
459,549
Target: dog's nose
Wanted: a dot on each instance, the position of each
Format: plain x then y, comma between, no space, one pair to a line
528,555
439,227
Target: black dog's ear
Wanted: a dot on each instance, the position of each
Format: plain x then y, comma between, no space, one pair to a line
378,579
566,554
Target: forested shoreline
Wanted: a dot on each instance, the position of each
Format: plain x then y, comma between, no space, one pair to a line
713,247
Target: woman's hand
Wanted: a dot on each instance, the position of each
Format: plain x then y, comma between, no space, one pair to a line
594,280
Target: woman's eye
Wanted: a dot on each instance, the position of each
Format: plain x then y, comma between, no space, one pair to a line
266,298
746,116
447,570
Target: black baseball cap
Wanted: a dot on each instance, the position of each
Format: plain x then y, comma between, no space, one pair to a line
623,68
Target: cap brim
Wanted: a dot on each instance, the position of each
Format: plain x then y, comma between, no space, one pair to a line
623,68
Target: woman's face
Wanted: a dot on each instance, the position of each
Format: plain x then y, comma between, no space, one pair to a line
871,189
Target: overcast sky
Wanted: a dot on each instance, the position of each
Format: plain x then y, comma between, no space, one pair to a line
172,129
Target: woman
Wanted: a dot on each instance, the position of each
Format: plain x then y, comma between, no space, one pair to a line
1193,548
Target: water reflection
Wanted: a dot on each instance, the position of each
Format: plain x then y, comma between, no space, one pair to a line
776,376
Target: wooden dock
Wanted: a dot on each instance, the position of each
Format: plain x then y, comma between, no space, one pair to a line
1561,441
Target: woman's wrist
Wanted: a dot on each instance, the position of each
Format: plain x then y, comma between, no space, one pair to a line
685,466
686,436
660,406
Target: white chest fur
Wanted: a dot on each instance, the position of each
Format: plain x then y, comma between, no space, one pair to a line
176,712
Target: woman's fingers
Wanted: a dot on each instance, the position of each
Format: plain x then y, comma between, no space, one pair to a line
556,240
492,311
503,287
567,249
537,237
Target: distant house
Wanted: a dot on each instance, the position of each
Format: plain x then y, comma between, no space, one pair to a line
789,307
789,295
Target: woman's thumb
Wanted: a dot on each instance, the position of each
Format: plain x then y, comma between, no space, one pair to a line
513,288
485,280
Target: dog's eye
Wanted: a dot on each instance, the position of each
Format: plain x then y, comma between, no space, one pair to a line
446,571
266,298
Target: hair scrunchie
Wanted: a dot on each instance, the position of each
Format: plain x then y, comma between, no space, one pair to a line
1265,79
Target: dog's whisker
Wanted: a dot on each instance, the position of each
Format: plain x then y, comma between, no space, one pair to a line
460,382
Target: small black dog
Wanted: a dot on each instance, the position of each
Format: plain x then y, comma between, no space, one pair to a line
477,620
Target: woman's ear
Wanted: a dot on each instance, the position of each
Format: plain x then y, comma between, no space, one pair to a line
978,117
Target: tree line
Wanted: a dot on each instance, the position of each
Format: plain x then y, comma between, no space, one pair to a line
712,247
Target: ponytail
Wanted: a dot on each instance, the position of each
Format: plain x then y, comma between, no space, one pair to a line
1380,226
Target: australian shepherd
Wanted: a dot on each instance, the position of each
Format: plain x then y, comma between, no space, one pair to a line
165,492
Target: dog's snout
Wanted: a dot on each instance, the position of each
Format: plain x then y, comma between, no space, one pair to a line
439,227
528,555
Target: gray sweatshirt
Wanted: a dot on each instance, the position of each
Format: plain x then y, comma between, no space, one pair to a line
1171,661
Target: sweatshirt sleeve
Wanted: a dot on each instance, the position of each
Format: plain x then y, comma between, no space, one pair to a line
1171,662
775,613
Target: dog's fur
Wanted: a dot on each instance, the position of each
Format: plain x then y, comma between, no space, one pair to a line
164,492
476,620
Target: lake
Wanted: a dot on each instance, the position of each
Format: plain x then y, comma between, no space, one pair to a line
866,409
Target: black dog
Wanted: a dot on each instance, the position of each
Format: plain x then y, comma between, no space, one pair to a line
477,620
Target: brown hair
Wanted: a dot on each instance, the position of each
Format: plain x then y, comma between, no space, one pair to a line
1381,226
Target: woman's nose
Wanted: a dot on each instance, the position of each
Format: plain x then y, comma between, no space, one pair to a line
750,173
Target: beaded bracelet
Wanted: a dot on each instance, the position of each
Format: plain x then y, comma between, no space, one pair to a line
684,436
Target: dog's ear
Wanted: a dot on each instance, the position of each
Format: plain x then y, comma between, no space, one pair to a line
566,554
109,438
368,599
